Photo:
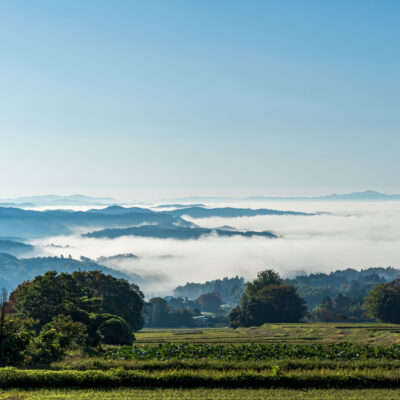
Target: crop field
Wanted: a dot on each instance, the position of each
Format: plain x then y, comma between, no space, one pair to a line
371,333
255,352
286,361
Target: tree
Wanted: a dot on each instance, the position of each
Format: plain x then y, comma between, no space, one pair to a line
274,304
116,331
210,301
70,332
159,312
268,300
264,278
17,334
3,310
47,296
119,296
52,294
164,316
383,302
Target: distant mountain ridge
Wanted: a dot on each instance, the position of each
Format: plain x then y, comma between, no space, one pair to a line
368,195
230,212
58,200
31,224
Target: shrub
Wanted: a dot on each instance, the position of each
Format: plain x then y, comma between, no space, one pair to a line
45,348
115,331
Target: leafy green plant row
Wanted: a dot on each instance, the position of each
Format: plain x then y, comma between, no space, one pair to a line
11,377
256,352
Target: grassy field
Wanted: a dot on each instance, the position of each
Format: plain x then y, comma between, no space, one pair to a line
384,334
285,361
199,394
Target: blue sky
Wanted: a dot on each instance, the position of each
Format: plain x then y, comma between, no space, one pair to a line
150,99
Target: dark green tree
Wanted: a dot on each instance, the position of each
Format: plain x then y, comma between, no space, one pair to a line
383,302
159,312
210,302
164,316
264,278
267,300
119,297
116,331
47,296
52,294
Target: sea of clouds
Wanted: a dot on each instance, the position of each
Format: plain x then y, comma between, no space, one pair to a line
348,234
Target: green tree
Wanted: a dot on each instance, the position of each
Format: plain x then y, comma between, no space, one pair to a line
119,297
210,301
267,300
383,302
70,332
116,331
264,278
17,334
47,296
159,312
52,294
164,316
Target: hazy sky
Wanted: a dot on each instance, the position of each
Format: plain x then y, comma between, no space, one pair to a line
145,99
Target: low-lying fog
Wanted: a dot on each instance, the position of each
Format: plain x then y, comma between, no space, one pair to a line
351,235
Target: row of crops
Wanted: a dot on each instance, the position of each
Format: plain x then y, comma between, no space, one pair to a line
255,352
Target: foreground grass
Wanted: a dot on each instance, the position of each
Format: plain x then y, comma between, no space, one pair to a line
199,394
210,378
359,333
220,365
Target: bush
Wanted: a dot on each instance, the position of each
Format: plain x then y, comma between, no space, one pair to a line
69,332
45,348
115,331
17,335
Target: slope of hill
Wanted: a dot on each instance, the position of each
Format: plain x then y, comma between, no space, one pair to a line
13,270
15,248
34,224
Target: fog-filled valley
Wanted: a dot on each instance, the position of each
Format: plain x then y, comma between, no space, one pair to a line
160,246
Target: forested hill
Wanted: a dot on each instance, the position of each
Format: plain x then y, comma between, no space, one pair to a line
173,232
15,248
32,224
13,271
313,288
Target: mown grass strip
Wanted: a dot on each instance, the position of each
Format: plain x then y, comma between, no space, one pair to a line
198,394
221,365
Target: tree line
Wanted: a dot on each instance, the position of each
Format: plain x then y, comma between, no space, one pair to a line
44,317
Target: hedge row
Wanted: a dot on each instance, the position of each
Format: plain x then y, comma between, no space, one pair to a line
11,377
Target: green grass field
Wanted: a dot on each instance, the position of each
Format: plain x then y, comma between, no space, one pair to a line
208,367
199,394
383,334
